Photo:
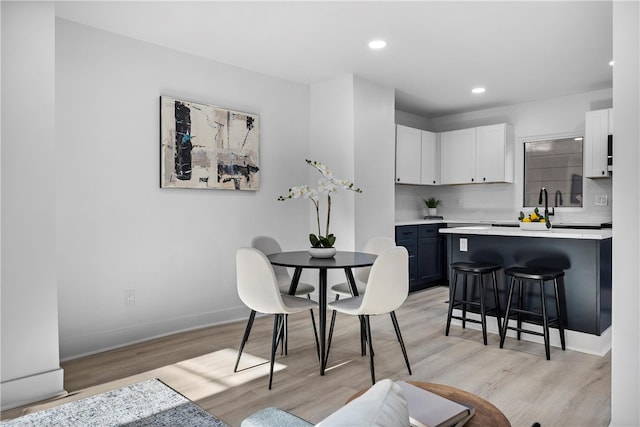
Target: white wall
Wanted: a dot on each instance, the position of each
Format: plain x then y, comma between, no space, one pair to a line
374,165
500,201
30,362
117,230
331,137
625,355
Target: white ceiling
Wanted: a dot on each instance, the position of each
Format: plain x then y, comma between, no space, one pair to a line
437,50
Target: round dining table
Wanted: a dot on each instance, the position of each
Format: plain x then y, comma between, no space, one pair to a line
344,260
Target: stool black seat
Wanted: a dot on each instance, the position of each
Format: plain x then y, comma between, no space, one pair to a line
477,271
519,276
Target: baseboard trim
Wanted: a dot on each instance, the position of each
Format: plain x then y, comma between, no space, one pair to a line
576,341
73,348
34,388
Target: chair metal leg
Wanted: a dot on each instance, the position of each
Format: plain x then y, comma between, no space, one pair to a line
333,322
277,323
368,332
245,337
452,295
315,330
394,319
285,334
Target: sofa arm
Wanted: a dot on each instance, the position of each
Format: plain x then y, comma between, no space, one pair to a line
269,417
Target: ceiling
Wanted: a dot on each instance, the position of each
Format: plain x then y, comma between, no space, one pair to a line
437,51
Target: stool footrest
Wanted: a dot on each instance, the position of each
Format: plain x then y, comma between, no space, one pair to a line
466,320
553,321
529,331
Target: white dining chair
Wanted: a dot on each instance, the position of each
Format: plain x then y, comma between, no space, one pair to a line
259,290
375,245
268,245
387,289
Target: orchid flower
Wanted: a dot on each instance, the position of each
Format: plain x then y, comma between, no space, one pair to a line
327,186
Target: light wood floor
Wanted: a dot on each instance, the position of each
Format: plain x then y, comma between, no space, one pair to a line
572,389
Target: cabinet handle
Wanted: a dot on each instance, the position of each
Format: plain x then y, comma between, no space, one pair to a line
398,179
484,179
472,179
602,172
434,181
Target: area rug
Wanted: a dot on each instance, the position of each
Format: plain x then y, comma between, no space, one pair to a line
146,404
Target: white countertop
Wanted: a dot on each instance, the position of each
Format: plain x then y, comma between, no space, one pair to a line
554,233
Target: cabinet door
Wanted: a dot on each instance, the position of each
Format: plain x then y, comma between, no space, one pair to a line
412,249
429,260
408,154
596,128
458,156
494,154
430,170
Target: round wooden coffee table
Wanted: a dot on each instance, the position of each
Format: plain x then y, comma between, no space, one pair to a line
486,415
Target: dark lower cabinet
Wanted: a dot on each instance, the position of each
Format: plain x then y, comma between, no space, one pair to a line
427,252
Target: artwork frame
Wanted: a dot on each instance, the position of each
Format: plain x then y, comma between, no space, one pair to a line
204,146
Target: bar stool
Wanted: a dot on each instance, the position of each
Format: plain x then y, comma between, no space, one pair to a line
476,271
532,275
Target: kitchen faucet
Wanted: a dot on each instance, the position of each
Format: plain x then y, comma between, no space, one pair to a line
558,197
546,202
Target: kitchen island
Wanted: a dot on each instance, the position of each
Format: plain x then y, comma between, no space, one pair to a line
583,254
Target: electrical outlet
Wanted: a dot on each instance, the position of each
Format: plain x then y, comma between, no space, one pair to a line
601,200
463,245
130,297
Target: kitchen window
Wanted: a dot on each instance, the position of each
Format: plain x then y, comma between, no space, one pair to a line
555,164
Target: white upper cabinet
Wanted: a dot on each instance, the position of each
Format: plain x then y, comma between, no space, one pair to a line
596,130
430,170
408,155
458,156
494,153
417,156
477,155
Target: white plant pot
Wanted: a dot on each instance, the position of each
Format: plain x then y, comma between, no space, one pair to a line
432,211
322,252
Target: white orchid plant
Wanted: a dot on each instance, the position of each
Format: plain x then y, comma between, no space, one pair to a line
327,186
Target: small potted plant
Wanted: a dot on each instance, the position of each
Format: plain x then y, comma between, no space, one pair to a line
432,203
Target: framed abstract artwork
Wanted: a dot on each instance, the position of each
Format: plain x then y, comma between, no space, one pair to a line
204,146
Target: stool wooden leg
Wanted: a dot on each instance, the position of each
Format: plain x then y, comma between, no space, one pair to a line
559,314
505,324
545,321
464,297
483,309
520,306
496,300
452,296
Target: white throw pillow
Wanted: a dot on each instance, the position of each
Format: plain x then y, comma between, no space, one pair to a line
383,405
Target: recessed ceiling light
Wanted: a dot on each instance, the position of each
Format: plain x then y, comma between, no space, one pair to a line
611,63
478,90
377,44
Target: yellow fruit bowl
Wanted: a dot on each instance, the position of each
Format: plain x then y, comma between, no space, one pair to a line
540,226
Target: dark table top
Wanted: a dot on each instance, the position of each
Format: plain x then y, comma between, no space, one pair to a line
341,259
